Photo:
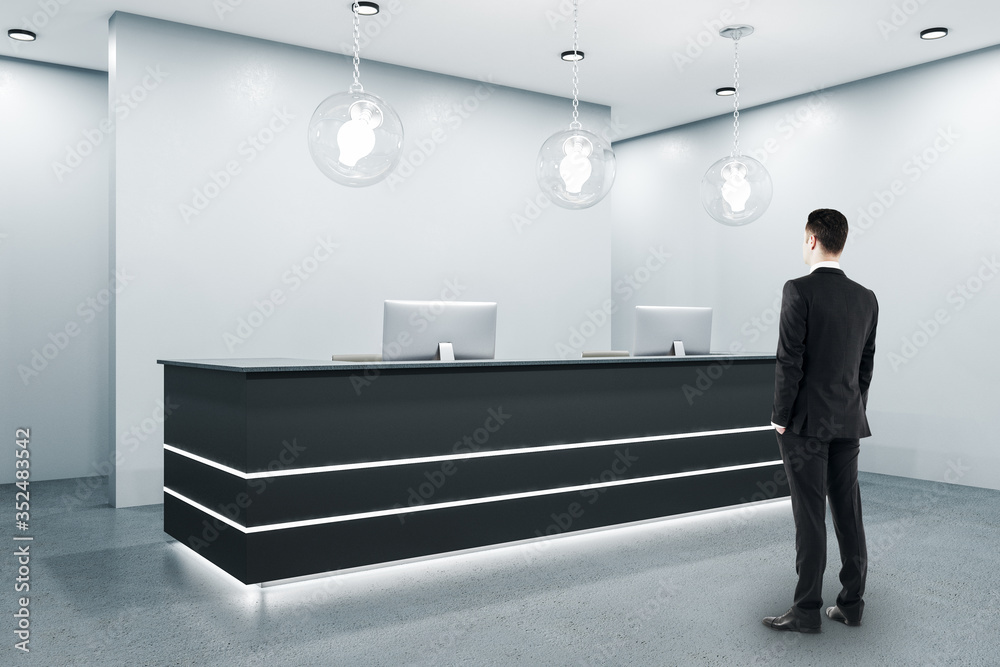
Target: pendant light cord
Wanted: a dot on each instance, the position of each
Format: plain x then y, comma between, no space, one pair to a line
576,125
736,95
356,87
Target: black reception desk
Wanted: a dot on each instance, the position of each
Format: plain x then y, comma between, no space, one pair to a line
280,468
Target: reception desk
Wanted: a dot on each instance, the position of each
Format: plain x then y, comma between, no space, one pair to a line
280,468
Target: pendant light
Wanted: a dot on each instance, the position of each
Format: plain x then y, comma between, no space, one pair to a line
576,168
736,190
355,138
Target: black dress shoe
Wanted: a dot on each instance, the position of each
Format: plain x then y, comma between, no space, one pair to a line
787,621
835,614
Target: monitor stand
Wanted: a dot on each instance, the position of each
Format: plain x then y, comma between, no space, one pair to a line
678,349
446,352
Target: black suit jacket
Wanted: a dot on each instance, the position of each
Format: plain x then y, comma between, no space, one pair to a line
826,351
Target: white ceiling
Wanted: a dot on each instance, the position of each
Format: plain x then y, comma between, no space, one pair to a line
635,50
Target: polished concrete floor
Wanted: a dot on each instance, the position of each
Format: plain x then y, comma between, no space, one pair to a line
108,587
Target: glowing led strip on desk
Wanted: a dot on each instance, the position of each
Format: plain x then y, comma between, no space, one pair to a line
264,474
460,503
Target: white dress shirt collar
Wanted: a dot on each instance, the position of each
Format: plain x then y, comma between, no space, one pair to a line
824,265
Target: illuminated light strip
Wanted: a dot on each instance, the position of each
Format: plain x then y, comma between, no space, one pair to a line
208,462
224,519
341,467
712,513
461,503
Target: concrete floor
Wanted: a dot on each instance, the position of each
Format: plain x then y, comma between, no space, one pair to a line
108,587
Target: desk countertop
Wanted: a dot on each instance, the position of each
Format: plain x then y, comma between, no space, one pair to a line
278,364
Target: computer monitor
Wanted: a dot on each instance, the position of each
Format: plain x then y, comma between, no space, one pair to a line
657,327
414,330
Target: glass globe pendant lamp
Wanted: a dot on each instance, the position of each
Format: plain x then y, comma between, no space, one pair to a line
575,168
736,190
355,138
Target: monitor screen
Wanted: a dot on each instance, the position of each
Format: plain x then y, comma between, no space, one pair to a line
657,327
412,330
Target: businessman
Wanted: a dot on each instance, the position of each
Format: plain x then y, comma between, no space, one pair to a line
826,350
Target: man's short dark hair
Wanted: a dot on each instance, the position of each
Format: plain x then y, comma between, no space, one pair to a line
830,229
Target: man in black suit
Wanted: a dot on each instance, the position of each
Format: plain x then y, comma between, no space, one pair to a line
826,350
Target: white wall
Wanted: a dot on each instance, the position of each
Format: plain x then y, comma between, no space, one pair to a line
929,132
186,285
465,214
53,268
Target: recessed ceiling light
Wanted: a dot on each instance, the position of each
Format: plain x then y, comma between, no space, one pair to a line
725,91
933,33
366,8
21,35
570,56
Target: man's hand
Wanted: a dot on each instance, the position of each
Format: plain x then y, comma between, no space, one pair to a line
780,430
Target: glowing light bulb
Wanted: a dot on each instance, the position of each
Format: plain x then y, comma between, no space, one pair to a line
351,156
575,168
736,190
356,137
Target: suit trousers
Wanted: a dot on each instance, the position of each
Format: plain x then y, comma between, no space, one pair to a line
817,470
